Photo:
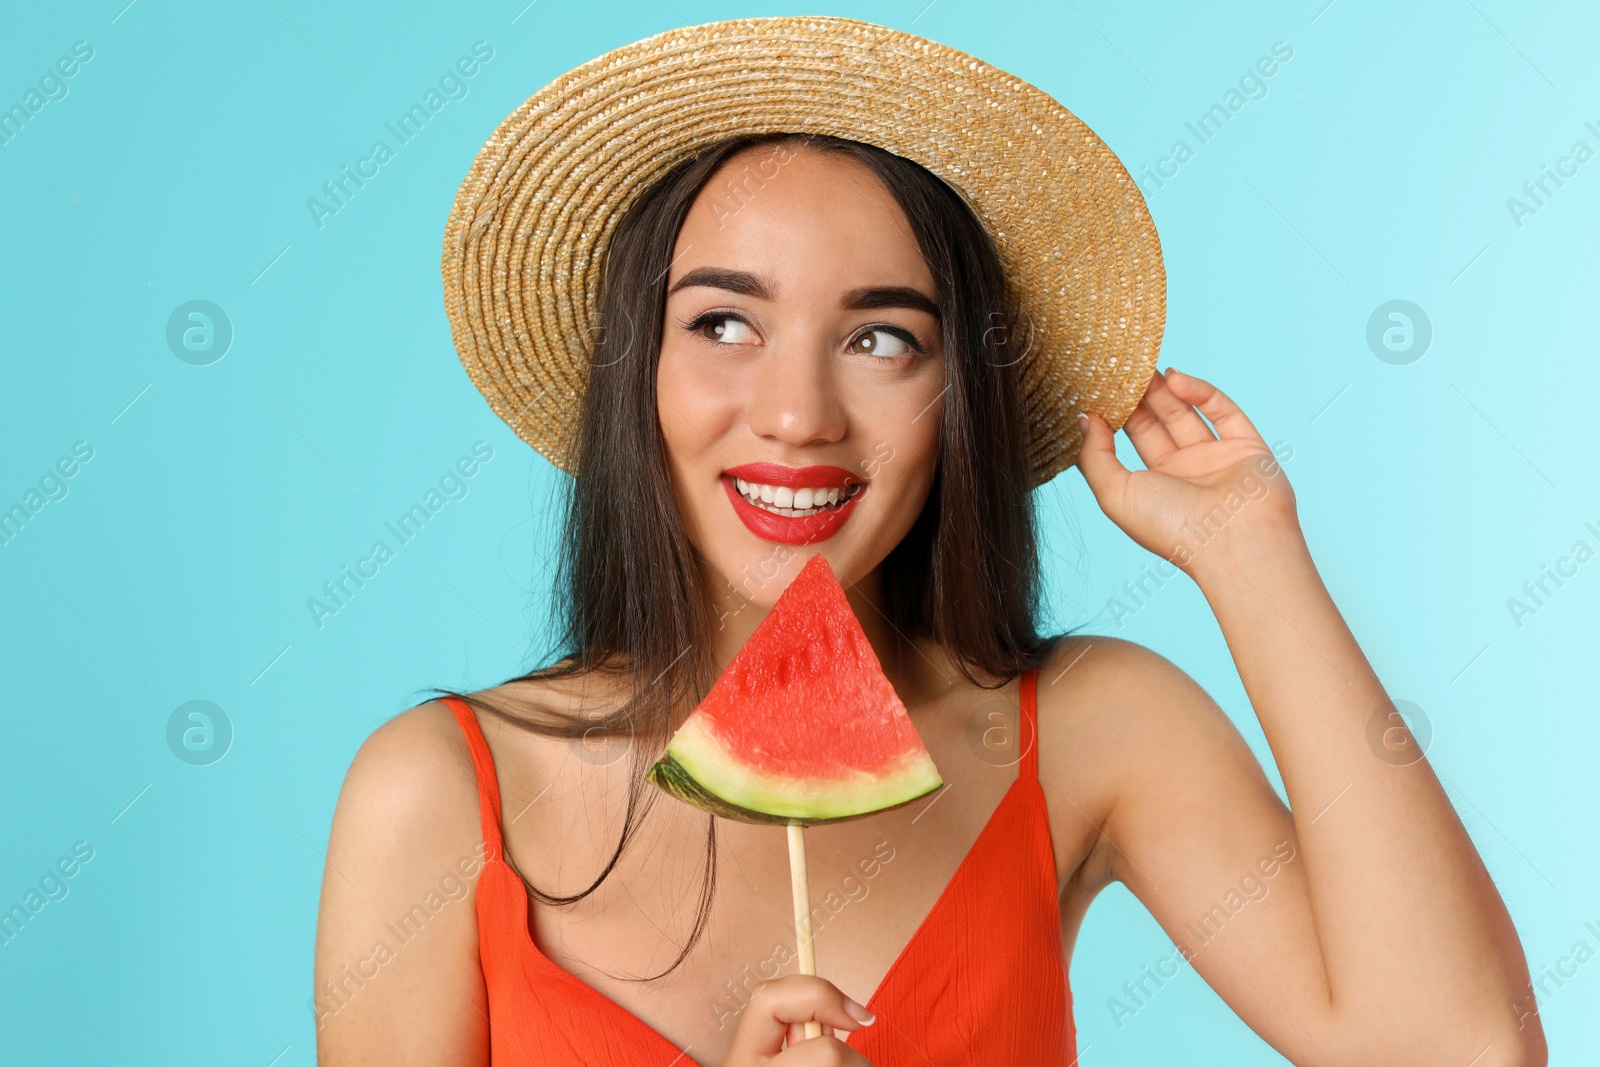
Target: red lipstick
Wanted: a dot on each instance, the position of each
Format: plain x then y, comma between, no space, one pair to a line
798,529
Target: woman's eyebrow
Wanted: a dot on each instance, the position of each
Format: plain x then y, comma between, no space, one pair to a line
888,296
743,282
747,283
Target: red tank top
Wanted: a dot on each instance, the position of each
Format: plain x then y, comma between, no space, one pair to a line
981,982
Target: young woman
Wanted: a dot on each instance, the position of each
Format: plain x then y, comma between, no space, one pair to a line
815,367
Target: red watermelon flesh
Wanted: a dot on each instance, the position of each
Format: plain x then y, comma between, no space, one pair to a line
803,726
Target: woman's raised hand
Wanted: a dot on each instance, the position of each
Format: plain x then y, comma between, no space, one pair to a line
776,1017
1199,484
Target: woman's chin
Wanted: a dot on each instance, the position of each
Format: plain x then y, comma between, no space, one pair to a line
758,577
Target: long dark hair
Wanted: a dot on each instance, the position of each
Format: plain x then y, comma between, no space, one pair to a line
628,586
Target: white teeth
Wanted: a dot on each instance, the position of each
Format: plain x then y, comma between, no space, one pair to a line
787,501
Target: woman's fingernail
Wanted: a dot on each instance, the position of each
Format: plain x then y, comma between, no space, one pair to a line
858,1013
1174,372
1083,423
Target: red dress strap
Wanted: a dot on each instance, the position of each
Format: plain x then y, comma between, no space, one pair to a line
483,763
1030,724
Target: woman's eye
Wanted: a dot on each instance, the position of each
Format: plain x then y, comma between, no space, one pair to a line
881,341
724,329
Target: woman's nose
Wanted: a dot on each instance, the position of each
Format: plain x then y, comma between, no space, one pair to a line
796,400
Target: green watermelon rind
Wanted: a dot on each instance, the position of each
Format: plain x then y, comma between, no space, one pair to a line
699,770
669,776
673,778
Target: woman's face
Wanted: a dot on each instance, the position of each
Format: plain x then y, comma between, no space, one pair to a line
801,381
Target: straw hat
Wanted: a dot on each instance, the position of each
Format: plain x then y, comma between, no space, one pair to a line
528,234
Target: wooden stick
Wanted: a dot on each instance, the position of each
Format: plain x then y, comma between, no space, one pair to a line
802,910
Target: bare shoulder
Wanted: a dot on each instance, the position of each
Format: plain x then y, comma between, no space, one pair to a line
413,786
1101,683
1108,690
1130,733
418,765
422,740
1120,723
414,775
396,927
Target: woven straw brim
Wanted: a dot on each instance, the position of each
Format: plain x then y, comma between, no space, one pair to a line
527,236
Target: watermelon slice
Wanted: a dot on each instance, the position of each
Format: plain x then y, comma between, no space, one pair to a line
803,726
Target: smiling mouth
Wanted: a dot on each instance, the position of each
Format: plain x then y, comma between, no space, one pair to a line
797,503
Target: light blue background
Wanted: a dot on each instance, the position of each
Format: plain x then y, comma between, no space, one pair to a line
220,498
